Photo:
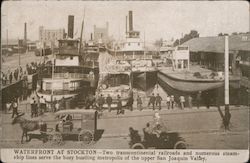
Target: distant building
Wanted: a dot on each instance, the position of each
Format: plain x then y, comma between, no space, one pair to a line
49,36
101,34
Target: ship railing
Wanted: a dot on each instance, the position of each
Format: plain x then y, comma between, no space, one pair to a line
59,92
73,51
131,57
74,76
68,76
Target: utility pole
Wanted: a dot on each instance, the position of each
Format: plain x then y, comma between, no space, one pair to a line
52,77
19,58
227,116
226,73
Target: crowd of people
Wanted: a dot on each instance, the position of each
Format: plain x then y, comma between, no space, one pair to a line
19,73
154,102
39,106
173,102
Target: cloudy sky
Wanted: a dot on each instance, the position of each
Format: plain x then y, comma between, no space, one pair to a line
158,19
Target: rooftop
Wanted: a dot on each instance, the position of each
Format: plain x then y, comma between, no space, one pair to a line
240,42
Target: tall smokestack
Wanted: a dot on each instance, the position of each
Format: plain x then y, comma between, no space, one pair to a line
126,24
130,21
25,33
91,36
71,26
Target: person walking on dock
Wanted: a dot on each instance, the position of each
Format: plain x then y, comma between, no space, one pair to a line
168,101
35,108
2,78
16,74
32,108
152,101
119,105
10,77
139,103
158,100
8,106
14,108
42,104
109,102
190,102
198,99
63,103
5,79
130,103
100,102
57,106
172,101
182,101
207,99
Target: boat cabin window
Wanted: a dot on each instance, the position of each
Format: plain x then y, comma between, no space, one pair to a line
182,48
69,44
117,80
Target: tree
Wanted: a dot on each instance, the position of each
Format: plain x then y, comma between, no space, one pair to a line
191,35
222,34
176,42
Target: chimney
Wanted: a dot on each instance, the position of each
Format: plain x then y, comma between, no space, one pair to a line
91,36
126,24
130,21
71,26
25,33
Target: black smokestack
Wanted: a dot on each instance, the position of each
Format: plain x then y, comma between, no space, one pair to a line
130,21
25,33
91,36
126,24
71,26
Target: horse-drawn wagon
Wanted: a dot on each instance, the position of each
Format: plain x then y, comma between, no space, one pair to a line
78,125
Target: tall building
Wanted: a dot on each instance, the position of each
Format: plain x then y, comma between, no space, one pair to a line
47,37
101,34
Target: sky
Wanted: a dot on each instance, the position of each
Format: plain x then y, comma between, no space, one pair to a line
157,19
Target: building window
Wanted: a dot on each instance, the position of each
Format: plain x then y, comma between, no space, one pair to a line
128,44
138,44
71,58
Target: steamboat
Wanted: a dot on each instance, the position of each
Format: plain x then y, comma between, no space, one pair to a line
116,80
133,51
69,74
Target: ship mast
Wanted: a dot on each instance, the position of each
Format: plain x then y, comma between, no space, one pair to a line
80,46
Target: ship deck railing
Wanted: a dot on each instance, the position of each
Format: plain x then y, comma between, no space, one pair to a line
69,76
59,92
